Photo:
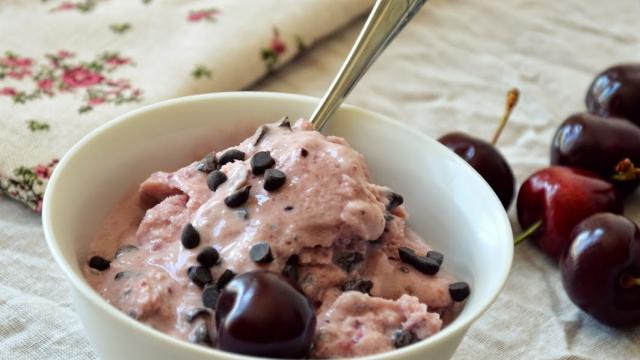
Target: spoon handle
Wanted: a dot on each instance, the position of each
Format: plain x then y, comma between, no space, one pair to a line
386,20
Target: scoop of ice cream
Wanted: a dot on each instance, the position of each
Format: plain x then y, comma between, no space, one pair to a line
287,199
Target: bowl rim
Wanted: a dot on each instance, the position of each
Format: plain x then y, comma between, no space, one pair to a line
89,293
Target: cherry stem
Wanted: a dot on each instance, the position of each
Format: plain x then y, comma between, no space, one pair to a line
625,170
627,281
527,232
512,99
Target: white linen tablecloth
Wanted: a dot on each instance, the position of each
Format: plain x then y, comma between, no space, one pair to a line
449,70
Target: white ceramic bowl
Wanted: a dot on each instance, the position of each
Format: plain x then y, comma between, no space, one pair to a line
449,204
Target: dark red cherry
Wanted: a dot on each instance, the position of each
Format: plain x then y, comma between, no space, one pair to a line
592,143
485,158
487,161
615,92
553,200
260,313
601,269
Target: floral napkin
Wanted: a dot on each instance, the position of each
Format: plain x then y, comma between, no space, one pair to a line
67,67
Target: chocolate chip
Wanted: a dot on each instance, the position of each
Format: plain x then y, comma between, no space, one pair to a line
208,257
196,313
402,338
238,198
261,161
215,179
284,122
243,213
124,249
388,216
224,279
290,270
190,237
201,335
348,259
425,265
262,132
207,164
406,254
304,152
288,208
459,291
274,179
210,296
122,275
437,256
395,200
230,156
361,285
261,253
99,263
200,275
132,314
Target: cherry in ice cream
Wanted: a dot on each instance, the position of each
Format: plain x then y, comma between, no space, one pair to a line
616,93
260,313
485,158
552,201
593,143
601,269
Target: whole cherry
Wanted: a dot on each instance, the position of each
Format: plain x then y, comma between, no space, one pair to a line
601,269
615,92
552,201
592,143
260,313
485,158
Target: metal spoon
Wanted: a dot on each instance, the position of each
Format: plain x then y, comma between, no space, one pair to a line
386,20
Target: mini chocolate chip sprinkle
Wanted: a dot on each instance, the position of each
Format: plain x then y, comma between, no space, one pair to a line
274,179
201,335
361,285
215,179
190,237
304,152
395,200
290,270
262,132
224,279
210,296
425,265
122,275
459,291
406,254
284,122
230,156
132,314
388,216
402,338
124,249
347,260
261,253
207,164
208,257
238,198
99,263
197,313
200,275
288,208
437,256
261,161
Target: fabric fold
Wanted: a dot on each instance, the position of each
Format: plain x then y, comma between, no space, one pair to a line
67,67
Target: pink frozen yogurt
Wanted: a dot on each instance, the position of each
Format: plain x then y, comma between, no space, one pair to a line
343,232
